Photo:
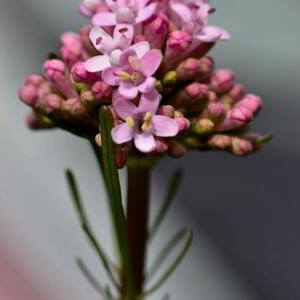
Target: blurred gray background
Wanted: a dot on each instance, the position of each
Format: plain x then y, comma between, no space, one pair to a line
245,212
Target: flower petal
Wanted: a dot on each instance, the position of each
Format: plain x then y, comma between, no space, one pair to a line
97,63
140,48
164,126
104,19
109,76
127,90
146,13
142,3
209,34
123,35
122,133
144,142
125,55
149,102
101,40
148,85
125,108
181,10
151,62
225,35
112,5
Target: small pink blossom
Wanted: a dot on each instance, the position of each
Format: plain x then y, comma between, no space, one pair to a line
89,7
137,65
110,47
125,11
142,123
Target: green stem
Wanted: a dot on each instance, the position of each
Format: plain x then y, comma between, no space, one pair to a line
138,198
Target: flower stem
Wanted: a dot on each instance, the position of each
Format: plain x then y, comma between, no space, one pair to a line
138,198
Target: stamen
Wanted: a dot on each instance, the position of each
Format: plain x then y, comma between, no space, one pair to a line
148,116
130,122
124,75
135,77
147,126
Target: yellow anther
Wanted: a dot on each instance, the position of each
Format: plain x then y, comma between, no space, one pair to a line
135,76
124,75
146,126
148,116
130,122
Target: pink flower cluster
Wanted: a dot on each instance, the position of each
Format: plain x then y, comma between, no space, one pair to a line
147,60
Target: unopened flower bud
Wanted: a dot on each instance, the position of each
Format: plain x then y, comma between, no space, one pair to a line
166,110
52,103
219,141
156,29
176,149
54,69
194,93
234,95
35,80
102,91
240,146
193,68
251,102
228,124
222,81
80,74
28,95
203,126
34,122
215,110
73,106
121,155
241,114
161,145
170,78
183,124
177,44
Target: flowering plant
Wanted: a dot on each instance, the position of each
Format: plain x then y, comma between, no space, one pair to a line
138,84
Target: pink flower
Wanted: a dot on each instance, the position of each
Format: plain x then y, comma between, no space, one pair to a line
110,47
125,11
142,123
88,7
193,18
137,65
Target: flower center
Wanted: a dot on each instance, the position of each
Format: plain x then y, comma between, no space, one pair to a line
130,122
147,124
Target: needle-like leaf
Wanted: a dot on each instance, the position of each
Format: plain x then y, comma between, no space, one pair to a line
172,190
86,226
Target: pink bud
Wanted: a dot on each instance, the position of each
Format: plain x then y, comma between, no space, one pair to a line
177,44
183,123
162,145
156,29
28,95
166,110
219,141
241,114
215,110
34,80
54,69
121,155
34,122
222,81
80,74
71,55
52,102
251,102
102,90
240,146
237,92
73,106
228,124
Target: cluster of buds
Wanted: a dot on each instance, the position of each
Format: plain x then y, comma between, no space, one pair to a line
147,60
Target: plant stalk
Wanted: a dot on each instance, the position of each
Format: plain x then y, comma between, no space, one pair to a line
138,198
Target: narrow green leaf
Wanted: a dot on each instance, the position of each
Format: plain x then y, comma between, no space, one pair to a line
86,226
172,190
165,276
92,280
165,252
114,190
264,139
